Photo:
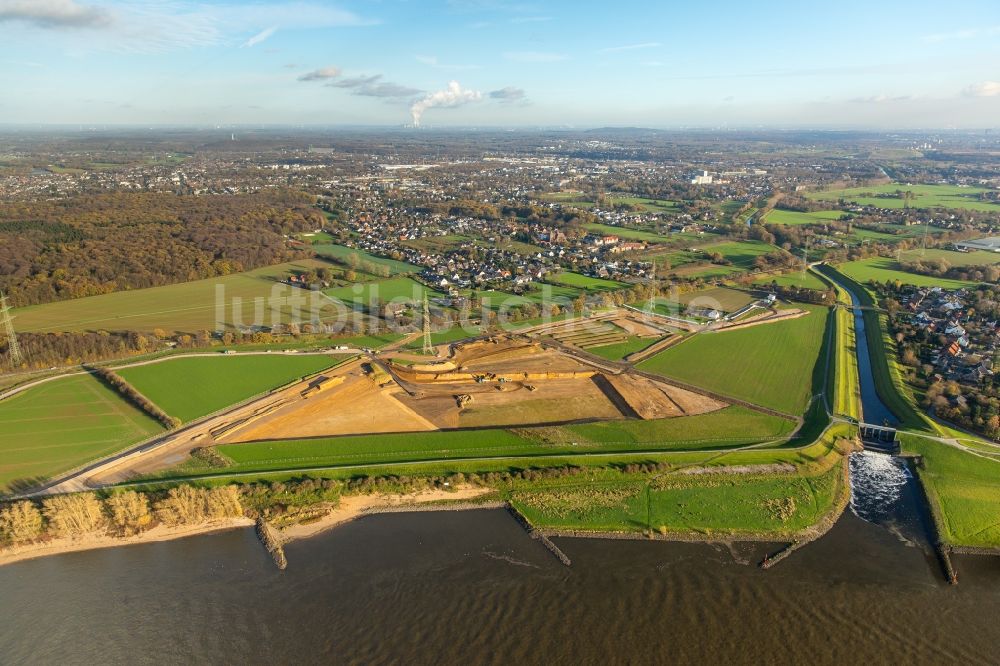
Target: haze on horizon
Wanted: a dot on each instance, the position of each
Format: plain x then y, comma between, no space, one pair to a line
495,63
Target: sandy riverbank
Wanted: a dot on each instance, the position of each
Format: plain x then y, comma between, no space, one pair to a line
355,506
95,541
351,507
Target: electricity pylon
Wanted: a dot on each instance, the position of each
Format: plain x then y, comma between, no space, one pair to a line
13,349
428,347
651,303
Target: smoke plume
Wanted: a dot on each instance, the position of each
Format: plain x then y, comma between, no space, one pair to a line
452,96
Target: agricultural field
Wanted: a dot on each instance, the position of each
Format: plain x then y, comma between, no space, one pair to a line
965,488
626,232
394,289
548,293
722,298
882,269
924,196
439,244
977,258
342,254
192,387
56,426
792,217
494,300
740,254
619,350
517,246
187,307
373,341
872,235
770,364
585,282
453,333
802,280
575,199
645,205
911,230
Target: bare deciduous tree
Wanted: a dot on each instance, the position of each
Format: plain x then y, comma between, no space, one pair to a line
129,511
20,522
74,515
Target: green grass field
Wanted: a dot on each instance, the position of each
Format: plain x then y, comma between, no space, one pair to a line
452,334
398,289
977,258
791,217
966,489
646,205
844,390
542,293
375,341
575,199
727,428
619,350
801,279
723,298
341,253
740,254
882,269
585,282
186,307
748,504
56,426
770,364
925,196
439,244
625,232
190,388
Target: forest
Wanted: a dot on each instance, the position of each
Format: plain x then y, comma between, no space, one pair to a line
53,250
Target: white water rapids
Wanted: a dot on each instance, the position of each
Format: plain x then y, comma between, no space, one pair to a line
877,481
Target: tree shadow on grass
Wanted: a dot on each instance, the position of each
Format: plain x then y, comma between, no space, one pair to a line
23,485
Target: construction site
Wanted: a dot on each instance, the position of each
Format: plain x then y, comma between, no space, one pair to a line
540,376
496,381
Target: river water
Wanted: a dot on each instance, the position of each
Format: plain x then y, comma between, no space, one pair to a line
471,587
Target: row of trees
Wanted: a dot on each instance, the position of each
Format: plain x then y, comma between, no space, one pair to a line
120,514
132,394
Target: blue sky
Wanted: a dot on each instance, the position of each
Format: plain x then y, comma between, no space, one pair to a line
491,62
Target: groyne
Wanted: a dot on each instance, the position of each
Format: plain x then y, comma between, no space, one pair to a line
272,542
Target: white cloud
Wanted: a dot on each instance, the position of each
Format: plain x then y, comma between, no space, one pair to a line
508,94
534,56
54,13
321,74
983,89
261,36
374,86
162,25
631,47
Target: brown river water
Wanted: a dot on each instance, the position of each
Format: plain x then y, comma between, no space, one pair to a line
471,587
